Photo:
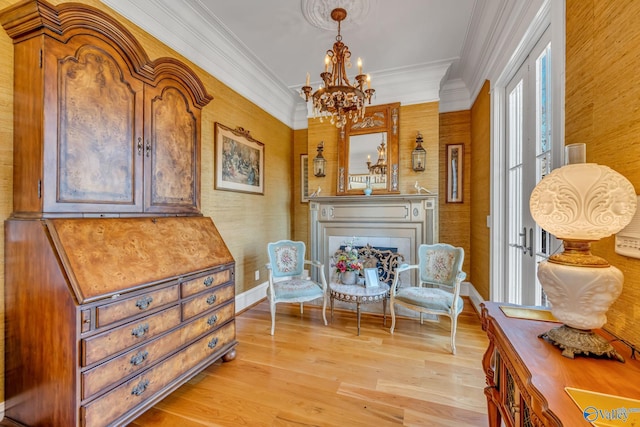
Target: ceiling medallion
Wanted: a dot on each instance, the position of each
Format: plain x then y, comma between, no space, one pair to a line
318,12
337,98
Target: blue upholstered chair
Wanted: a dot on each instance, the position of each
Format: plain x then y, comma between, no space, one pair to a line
287,281
438,288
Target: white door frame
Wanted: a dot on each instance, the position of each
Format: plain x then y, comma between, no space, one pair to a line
552,15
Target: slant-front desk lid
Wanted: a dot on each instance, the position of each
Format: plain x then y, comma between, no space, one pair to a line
104,256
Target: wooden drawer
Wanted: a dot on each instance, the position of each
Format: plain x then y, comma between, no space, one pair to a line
96,379
120,310
192,287
131,334
208,322
207,300
113,405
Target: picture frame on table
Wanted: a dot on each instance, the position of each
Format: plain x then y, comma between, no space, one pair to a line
455,167
239,161
371,278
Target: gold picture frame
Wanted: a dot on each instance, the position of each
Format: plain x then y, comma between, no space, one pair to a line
239,161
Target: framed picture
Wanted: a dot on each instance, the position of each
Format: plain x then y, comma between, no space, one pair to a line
455,157
239,161
304,178
371,278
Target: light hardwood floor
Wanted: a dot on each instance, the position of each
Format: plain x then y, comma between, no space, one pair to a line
309,374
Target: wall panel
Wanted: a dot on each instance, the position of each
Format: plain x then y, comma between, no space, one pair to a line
455,222
480,191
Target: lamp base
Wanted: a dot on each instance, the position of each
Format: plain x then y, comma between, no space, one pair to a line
574,341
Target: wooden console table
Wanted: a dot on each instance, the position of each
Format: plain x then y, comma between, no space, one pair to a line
527,376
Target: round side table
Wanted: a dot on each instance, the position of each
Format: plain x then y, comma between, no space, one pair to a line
359,294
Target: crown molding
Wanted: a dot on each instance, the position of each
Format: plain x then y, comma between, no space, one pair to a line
217,51
454,96
213,48
495,37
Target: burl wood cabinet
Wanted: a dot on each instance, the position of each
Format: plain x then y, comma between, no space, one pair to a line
527,376
106,316
117,289
98,126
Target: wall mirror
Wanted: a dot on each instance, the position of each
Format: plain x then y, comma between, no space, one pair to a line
368,152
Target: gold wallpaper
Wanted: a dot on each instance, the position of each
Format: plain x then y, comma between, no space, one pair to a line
602,111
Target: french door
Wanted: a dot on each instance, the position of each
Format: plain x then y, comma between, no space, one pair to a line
528,159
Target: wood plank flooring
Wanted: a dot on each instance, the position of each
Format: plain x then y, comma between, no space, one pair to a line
309,374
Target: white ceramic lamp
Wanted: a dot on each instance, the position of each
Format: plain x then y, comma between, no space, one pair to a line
581,203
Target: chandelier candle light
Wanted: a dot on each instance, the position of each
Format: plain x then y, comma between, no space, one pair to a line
337,98
380,167
581,203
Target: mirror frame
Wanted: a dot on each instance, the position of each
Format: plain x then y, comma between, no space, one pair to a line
377,118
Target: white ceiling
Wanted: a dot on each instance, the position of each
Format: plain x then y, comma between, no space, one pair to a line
393,35
415,50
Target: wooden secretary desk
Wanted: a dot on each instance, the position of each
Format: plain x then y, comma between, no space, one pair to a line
117,289
527,376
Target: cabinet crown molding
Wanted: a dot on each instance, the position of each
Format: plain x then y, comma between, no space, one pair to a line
32,18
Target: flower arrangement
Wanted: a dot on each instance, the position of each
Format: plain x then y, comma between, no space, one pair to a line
348,259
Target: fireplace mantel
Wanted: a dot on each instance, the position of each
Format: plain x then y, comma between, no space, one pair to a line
401,221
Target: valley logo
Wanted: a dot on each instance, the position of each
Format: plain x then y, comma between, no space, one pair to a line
593,414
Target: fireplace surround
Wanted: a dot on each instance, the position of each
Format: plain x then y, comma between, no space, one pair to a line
399,221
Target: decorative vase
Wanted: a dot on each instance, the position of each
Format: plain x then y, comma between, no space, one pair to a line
349,277
368,191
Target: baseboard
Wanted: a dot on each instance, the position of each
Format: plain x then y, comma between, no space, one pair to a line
258,293
251,297
475,298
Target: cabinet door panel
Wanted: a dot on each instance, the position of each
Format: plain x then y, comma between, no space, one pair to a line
171,149
94,165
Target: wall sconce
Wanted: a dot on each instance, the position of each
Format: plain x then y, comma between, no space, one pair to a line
418,155
319,162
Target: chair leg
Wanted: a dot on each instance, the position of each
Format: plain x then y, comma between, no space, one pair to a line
393,317
454,324
272,308
324,310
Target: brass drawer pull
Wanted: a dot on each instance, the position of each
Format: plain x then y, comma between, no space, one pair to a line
140,388
213,343
139,146
139,358
144,302
212,299
140,330
212,320
148,148
208,281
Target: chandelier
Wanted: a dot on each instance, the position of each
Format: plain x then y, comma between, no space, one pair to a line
338,99
380,167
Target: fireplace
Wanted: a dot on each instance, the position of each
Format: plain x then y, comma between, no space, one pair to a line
398,221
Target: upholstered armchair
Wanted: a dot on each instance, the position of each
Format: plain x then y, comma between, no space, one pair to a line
437,290
287,279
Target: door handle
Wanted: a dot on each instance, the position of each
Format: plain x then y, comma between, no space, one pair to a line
526,248
531,242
